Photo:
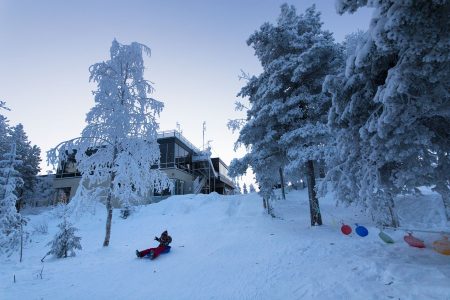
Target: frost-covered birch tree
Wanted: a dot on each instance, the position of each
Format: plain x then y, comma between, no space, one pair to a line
286,123
118,150
11,222
391,106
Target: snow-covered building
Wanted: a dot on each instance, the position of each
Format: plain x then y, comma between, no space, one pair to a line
191,170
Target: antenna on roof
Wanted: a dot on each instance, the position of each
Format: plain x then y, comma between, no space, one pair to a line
179,128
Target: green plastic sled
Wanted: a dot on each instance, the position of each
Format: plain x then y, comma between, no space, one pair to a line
386,238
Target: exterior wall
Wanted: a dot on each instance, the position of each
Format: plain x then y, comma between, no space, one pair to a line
185,177
59,184
185,185
176,161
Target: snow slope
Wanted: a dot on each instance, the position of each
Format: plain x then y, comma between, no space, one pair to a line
226,247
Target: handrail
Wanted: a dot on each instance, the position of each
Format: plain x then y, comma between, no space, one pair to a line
198,184
175,133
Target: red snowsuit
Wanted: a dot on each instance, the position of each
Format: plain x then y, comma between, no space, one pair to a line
156,251
164,241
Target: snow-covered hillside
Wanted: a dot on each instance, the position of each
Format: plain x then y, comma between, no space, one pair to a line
226,247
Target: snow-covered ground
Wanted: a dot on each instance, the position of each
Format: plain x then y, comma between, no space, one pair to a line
226,247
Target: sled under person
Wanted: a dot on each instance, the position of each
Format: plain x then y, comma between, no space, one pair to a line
164,241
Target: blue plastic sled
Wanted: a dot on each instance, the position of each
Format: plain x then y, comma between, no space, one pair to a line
361,230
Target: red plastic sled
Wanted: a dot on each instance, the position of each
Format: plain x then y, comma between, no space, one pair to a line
346,229
413,241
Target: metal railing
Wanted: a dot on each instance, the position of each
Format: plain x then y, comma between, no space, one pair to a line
198,184
177,134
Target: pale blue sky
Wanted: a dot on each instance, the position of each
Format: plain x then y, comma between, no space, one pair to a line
198,49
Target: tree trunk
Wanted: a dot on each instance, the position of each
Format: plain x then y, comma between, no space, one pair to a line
394,218
109,208
264,203
108,219
21,240
19,202
444,191
282,183
316,217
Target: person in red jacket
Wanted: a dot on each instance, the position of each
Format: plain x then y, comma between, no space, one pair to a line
164,240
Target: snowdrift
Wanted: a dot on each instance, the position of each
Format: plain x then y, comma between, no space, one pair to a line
226,247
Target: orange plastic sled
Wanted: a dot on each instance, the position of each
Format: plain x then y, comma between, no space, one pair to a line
442,246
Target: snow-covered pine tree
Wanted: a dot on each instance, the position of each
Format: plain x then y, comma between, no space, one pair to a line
119,144
44,193
391,108
237,187
305,107
65,240
31,158
286,123
263,153
252,188
4,131
343,175
244,189
12,234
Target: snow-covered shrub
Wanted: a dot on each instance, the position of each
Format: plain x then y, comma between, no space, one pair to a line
41,227
126,211
65,240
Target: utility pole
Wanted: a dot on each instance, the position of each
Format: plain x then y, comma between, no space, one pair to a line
204,129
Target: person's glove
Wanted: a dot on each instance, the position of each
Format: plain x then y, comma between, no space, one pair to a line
156,239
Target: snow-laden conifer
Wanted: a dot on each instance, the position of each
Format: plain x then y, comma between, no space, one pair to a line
117,153
30,155
5,143
65,242
237,187
286,122
244,189
12,233
391,106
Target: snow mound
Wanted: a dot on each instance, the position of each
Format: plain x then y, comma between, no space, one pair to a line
227,247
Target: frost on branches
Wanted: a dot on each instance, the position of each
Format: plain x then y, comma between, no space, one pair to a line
11,222
30,157
286,126
118,150
65,240
391,106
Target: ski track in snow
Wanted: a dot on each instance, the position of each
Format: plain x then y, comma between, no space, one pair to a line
227,247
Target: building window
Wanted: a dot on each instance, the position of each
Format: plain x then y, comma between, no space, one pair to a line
182,158
62,195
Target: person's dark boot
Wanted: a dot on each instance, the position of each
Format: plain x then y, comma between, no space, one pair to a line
138,254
